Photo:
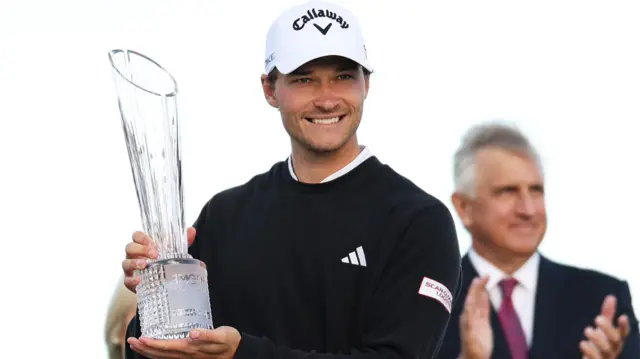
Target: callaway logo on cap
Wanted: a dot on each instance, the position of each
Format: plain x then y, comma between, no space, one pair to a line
311,30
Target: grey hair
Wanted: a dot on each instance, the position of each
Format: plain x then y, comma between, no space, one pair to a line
493,134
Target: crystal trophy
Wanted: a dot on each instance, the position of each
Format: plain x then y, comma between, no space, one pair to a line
173,294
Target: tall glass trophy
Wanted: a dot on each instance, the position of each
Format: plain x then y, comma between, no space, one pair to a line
173,294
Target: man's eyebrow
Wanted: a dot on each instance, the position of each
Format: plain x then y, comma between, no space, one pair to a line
349,67
300,72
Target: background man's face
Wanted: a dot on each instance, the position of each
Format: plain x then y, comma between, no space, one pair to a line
508,212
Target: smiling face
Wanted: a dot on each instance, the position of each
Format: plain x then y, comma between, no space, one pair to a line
506,217
320,103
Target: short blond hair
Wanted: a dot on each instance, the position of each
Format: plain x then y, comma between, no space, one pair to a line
121,310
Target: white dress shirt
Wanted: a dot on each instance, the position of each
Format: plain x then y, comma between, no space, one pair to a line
363,156
524,294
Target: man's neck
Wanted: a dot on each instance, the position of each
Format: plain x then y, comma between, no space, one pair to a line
311,167
506,262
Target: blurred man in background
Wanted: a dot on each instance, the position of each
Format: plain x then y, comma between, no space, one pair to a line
121,310
518,303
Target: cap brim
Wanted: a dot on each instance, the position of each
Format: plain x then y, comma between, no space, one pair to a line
288,67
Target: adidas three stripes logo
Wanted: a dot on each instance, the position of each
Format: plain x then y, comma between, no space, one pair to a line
356,258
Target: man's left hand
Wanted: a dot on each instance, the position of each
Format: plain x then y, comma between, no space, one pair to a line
220,343
605,340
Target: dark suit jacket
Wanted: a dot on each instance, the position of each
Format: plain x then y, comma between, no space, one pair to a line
567,300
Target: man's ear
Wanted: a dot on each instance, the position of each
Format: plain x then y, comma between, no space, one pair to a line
463,207
269,91
366,86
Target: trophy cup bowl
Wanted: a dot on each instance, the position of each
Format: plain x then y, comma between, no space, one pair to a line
173,294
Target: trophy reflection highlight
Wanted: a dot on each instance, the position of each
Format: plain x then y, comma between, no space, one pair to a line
173,295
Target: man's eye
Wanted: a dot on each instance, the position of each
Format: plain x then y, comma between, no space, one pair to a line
345,77
303,80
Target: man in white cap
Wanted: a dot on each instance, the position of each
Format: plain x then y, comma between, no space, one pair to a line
330,253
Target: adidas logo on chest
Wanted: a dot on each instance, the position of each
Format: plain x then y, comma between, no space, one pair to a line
356,257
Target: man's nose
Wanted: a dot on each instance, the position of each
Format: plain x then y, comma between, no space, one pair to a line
526,205
326,99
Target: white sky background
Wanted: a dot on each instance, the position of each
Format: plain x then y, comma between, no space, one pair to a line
567,72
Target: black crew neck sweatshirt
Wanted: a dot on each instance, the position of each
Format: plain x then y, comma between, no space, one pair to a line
363,266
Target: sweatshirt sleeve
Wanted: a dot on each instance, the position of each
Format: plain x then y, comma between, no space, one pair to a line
410,308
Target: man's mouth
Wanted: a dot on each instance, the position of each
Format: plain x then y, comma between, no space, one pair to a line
325,120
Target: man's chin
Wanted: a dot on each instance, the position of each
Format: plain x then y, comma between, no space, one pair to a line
525,247
324,150
325,145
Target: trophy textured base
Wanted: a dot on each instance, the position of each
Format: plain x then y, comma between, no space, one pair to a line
173,298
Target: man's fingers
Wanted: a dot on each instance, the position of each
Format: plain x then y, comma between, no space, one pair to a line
479,294
469,307
623,326
220,335
130,265
609,307
142,246
599,339
191,235
589,350
465,325
131,283
470,301
477,286
207,336
482,305
154,349
141,238
475,293
212,342
171,348
481,284
607,328
137,250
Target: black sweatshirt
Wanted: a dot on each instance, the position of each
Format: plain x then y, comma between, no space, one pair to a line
364,266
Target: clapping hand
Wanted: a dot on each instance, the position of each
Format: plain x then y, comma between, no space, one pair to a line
476,334
605,341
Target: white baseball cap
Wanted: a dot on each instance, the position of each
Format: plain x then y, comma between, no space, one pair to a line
312,30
